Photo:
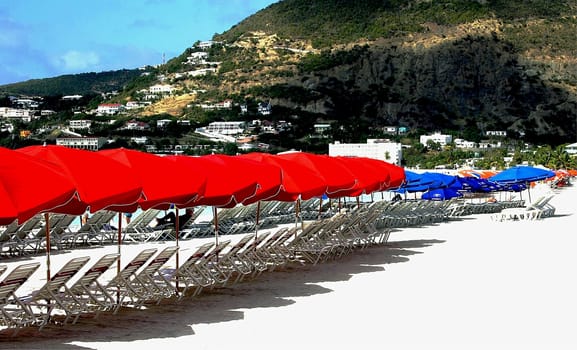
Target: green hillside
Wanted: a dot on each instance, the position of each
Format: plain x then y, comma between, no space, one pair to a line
82,84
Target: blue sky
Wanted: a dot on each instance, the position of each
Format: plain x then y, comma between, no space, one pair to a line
43,39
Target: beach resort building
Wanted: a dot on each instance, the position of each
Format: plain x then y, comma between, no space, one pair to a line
380,149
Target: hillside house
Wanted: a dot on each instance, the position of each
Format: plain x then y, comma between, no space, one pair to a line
109,108
196,58
161,89
437,137
89,143
24,115
264,108
136,125
79,124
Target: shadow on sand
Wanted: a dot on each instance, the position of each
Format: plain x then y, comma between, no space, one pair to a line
175,319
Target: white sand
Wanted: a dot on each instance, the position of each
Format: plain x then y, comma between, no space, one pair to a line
468,284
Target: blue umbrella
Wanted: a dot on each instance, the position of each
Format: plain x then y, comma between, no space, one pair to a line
428,180
520,174
441,194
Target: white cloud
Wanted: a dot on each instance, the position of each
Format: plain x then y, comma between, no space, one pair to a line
76,60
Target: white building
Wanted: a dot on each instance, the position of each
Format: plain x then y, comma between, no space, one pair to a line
461,143
225,128
390,152
200,72
25,115
80,124
89,143
500,133
162,123
108,108
197,58
437,137
71,97
205,44
161,89
135,104
142,140
322,129
571,149
264,108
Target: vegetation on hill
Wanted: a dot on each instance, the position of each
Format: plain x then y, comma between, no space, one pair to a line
329,22
461,67
74,84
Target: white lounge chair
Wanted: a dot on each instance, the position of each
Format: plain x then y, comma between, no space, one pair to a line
121,285
47,302
13,312
88,293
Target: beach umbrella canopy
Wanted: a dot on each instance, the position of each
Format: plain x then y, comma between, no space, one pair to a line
412,178
163,181
29,186
228,182
392,175
477,184
336,175
441,194
298,181
268,177
522,174
100,181
368,178
420,182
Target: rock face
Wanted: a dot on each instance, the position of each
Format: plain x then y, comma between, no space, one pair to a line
470,82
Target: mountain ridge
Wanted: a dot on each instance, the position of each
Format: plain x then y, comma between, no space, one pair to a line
464,66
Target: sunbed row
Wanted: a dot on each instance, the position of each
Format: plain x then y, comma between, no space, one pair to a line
148,278
538,209
30,237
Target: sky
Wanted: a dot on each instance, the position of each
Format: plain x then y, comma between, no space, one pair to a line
43,39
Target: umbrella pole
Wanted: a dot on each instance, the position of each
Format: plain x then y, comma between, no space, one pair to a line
215,218
321,208
176,229
256,220
119,252
296,216
47,226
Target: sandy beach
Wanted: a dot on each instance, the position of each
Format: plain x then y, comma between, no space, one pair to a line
470,283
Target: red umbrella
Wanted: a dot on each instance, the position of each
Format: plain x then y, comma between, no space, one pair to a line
394,175
336,175
267,176
228,183
29,186
100,181
298,181
368,180
164,182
